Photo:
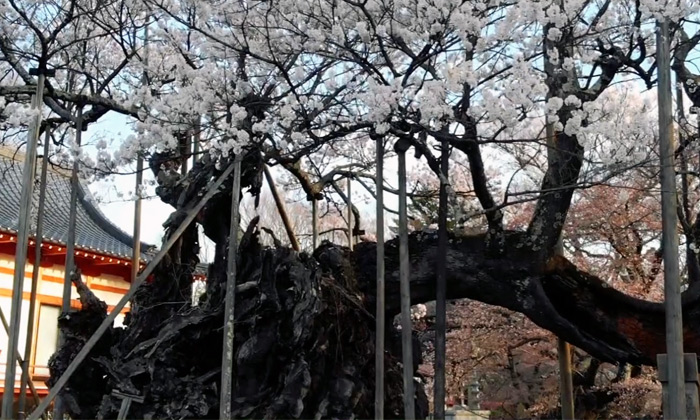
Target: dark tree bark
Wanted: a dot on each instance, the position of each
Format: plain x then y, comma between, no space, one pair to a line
573,304
305,327
304,346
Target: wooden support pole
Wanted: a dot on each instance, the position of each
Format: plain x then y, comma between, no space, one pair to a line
566,390
124,408
564,349
196,137
691,257
566,387
21,251
281,209
136,248
380,316
38,236
229,355
21,362
72,218
70,244
405,278
187,153
314,223
109,321
351,235
669,241
690,370
441,289
127,399
473,395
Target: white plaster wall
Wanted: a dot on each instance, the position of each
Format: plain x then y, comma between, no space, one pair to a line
53,289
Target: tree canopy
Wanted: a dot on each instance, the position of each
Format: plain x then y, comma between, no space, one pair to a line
309,87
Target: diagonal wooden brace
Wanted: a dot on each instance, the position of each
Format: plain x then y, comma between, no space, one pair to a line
127,399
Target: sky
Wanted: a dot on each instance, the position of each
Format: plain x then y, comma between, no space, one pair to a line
120,210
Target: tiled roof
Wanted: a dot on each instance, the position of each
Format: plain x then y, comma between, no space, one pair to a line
93,230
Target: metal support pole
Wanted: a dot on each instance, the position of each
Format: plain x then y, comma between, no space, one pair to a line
229,314
38,236
441,289
380,316
350,230
405,279
21,251
314,223
109,321
281,209
136,254
672,286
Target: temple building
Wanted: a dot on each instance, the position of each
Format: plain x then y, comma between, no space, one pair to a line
103,252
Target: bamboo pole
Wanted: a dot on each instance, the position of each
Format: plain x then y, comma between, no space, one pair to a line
281,209
21,251
405,279
109,321
675,409
381,298
38,237
229,355
441,290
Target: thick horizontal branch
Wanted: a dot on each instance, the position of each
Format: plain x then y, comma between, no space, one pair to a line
576,306
96,101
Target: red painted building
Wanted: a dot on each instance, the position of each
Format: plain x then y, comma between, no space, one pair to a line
102,251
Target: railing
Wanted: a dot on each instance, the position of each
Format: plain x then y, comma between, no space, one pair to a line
39,374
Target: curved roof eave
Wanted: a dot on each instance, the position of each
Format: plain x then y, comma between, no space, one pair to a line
94,232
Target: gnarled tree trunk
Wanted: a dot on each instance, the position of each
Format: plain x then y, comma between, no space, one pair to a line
304,324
